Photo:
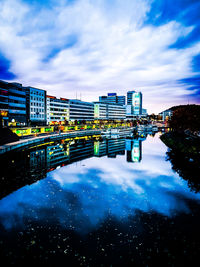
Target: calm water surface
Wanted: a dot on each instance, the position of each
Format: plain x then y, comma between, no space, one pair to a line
118,203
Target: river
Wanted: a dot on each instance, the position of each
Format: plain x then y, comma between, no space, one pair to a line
86,202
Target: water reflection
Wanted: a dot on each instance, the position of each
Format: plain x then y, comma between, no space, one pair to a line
82,195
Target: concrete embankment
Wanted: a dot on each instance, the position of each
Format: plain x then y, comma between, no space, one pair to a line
43,139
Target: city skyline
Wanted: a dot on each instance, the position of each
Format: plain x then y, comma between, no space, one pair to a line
73,48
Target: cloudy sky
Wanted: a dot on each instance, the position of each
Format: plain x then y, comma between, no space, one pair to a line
90,47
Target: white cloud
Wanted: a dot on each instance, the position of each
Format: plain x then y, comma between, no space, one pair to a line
113,52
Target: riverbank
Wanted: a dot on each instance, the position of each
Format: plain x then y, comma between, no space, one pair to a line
182,143
44,139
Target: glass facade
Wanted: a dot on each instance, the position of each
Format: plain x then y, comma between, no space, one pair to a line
16,103
113,98
137,103
130,97
36,105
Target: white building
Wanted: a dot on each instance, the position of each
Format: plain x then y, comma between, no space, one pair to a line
81,110
100,111
104,111
57,110
116,112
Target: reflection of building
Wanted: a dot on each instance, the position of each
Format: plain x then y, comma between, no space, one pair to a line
36,106
116,147
57,110
100,148
81,149
116,112
57,154
134,150
37,158
113,98
109,147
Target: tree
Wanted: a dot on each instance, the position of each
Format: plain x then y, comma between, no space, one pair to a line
186,118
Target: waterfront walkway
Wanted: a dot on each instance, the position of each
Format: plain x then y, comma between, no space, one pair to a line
44,139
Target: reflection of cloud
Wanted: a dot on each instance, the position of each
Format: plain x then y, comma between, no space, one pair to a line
79,196
109,46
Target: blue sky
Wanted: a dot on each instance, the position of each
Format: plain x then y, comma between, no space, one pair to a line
93,47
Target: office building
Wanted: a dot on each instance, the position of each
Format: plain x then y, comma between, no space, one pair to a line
17,104
166,114
3,103
35,106
104,111
13,104
57,110
80,110
100,111
113,98
137,103
116,112
134,99
144,111
130,97
121,100
129,110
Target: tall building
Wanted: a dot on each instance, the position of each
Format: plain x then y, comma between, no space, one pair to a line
130,97
57,110
113,98
134,99
137,103
80,110
35,106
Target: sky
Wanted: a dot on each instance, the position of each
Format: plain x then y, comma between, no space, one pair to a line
85,48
